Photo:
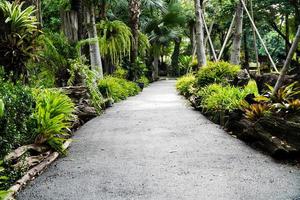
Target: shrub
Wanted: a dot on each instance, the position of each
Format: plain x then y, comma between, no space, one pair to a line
52,68
18,38
120,73
116,88
79,71
216,98
53,114
216,72
144,80
185,83
16,126
255,111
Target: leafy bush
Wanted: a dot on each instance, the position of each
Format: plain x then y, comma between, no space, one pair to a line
285,93
16,127
54,61
185,83
215,97
255,111
216,72
120,73
144,80
18,36
53,114
117,88
185,63
79,70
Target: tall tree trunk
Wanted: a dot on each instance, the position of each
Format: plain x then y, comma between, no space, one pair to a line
237,40
95,57
135,11
102,10
175,57
192,36
199,35
155,74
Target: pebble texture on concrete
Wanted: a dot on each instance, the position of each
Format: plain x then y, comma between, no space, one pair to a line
154,146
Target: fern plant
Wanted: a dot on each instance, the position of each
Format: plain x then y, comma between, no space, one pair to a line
144,43
114,40
78,68
53,114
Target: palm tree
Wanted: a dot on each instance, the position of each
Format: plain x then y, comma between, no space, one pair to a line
164,29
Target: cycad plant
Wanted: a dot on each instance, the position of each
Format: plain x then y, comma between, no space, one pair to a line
17,40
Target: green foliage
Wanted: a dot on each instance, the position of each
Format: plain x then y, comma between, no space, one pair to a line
79,70
216,72
185,63
116,88
144,80
120,73
2,108
138,69
114,40
216,98
19,20
144,44
185,83
51,13
16,127
53,114
4,194
17,41
53,61
9,174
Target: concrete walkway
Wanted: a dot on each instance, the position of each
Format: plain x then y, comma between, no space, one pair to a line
154,146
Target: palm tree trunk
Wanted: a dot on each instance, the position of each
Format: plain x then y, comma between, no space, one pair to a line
199,35
155,66
236,48
95,57
175,57
135,11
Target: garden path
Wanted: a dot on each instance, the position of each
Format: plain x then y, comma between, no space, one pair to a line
155,146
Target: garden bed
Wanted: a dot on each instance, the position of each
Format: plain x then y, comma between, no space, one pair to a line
270,122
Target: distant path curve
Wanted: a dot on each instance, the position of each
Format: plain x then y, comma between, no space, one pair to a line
154,146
